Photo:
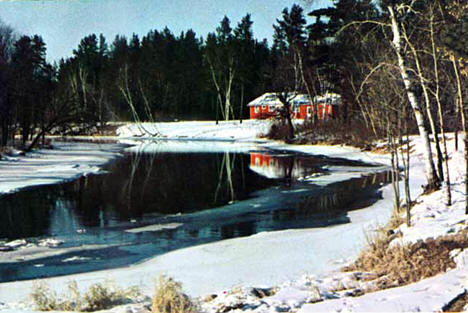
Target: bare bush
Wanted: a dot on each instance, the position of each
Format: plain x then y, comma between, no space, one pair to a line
278,130
43,298
97,297
326,132
403,264
169,298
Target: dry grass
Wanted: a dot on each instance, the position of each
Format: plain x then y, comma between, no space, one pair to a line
43,298
97,297
401,265
169,298
326,132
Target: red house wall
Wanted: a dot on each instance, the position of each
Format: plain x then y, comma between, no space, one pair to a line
262,113
324,112
253,115
303,111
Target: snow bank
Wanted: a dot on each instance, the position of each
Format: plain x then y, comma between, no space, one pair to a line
188,146
248,130
66,161
428,295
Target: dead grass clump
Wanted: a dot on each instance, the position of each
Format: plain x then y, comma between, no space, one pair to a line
401,265
169,298
43,298
97,297
395,221
105,296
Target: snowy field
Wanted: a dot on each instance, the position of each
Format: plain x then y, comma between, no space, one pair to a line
296,262
66,161
200,130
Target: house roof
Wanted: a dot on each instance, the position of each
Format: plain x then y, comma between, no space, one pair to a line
271,98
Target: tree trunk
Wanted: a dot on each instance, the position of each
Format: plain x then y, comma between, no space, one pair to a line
227,99
463,122
440,158
407,170
441,118
241,104
431,175
218,90
283,97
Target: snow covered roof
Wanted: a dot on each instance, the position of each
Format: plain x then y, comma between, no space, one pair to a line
268,98
271,98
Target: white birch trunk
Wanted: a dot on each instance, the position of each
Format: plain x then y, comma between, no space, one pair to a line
431,176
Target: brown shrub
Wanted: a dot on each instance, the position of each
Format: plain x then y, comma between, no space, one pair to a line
330,132
400,265
97,297
278,131
43,298
169,298
105,296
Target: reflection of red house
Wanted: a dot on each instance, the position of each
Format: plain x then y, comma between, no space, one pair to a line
275,167
268,106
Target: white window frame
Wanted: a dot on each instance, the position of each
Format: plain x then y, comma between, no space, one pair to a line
271,108
256,109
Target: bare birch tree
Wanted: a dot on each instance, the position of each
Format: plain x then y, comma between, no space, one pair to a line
397,14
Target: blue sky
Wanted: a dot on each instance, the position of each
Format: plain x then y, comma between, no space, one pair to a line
62,23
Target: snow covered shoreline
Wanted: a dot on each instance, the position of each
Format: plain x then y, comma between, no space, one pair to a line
248,130
284,258
262,259
66,161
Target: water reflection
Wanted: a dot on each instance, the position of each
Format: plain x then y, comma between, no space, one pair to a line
139,184
280,166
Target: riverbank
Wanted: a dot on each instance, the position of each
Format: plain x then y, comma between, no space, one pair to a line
247,130
359,291
61,162
262,259
281,260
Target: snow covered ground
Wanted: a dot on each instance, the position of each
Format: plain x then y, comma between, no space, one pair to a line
293,262
189,146
66,161
200,130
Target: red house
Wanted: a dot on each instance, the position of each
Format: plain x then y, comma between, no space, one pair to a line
268,106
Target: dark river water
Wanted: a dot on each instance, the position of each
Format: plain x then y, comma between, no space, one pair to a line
152,203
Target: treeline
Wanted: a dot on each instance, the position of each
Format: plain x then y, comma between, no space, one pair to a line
348,48
161,76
